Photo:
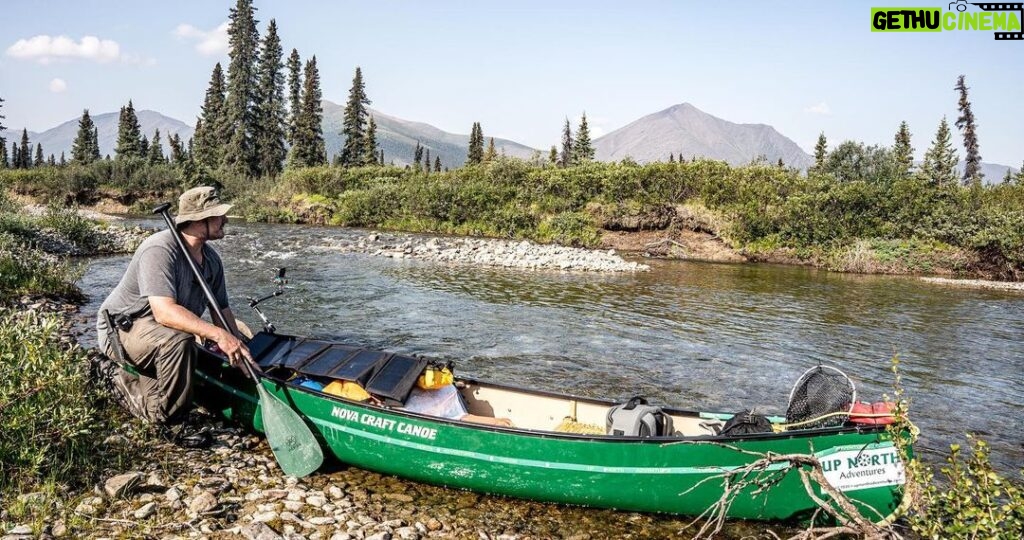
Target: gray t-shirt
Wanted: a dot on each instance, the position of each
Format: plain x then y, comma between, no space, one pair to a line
159,269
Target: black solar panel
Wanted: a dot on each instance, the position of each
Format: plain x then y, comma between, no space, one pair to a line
394,380
329,360
360,367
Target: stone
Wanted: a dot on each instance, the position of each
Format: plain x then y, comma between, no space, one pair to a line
59,529
434,525
172,494
20,530
341,536
264,517
154,480
202,503
407,533
321,520
293,506
259,531
122,485
145,511
379,536
316,501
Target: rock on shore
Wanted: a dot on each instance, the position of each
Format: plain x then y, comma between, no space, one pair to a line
487,252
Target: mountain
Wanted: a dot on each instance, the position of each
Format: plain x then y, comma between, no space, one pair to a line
61,138
685,130
398,139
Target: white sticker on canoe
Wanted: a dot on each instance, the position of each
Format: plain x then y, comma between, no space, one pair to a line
852,468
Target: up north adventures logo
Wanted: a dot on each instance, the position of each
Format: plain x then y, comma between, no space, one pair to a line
1000,17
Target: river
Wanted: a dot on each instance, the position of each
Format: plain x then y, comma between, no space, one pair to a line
696,335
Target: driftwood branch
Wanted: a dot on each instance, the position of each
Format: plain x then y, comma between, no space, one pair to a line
758,473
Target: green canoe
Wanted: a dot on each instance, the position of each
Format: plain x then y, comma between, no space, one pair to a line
537,459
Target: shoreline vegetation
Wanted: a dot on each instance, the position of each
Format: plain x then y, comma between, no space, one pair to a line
701,210
73,464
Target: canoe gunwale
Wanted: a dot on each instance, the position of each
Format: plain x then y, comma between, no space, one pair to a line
280,383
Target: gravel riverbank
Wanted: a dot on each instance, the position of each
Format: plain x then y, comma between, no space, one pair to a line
487,252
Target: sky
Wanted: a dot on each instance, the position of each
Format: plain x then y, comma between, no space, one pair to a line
521,68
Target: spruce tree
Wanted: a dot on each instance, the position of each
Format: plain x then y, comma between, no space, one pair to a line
380,160
820,152
1008,177
902,152
354,151
476,145
437,163
671,157
294,93
25,152
491,154
1019,178
144,146
370,144
96,144
129,134
417,156
51,161
243,38
553,155
211,127
308,150
269,127
965,123
582,150
940,160
39,156
15,156
566,158
156,150
426,160
178,156
3,141
82,150
63,160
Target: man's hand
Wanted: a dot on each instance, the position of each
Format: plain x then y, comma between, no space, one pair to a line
235,350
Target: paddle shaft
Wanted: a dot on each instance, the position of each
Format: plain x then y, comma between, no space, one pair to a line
210,298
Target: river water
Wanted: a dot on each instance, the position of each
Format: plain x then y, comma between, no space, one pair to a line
701,336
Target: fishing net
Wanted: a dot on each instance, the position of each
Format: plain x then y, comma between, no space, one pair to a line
822,397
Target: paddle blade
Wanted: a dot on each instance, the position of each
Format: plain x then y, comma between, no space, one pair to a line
295,448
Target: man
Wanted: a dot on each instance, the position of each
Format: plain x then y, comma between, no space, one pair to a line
156,310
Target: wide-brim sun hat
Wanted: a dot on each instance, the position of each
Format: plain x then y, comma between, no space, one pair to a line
200,203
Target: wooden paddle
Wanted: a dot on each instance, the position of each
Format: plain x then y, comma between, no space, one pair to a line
295,448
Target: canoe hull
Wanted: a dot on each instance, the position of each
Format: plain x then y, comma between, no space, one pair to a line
666,475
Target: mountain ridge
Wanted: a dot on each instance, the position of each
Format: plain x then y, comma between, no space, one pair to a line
682,130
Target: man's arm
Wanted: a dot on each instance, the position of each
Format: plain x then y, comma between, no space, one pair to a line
172,315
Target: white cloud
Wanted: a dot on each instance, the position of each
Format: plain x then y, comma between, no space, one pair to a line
208,43
46,49
58,85
820,108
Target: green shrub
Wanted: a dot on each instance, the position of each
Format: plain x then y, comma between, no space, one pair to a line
570,228
24,270
68,223
974,501
46,413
